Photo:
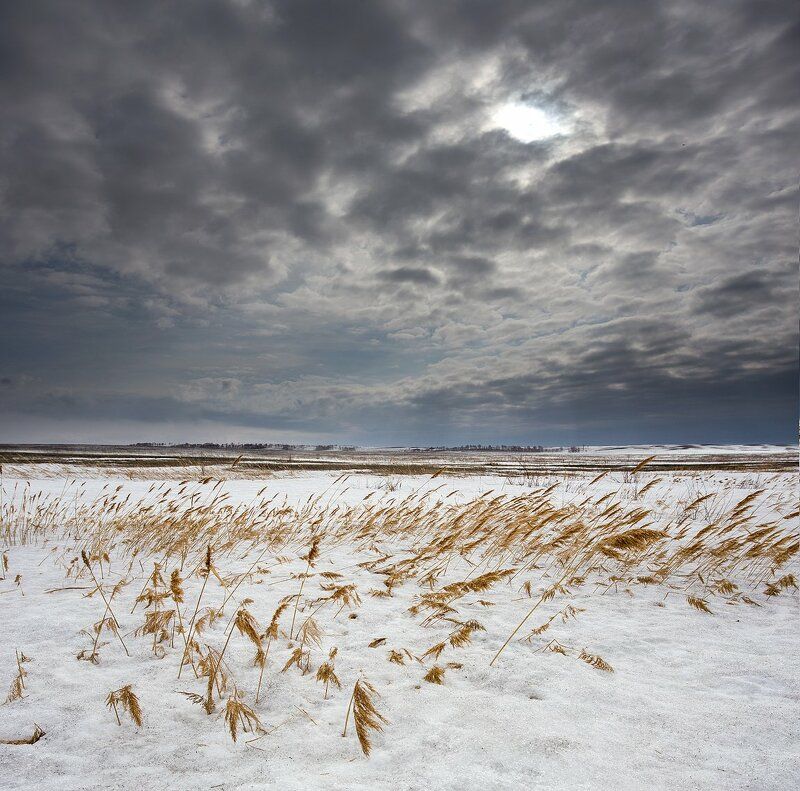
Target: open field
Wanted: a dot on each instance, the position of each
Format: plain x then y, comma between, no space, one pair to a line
521,627
155,462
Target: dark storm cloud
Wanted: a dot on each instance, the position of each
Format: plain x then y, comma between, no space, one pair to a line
304,217
738,294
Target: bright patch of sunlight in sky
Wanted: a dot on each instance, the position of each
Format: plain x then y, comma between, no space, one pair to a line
527,123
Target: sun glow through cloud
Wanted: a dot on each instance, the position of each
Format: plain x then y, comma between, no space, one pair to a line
527,123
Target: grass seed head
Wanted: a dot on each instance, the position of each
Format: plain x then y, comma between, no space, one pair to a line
238,713
365,715
125,698
596,661
435,675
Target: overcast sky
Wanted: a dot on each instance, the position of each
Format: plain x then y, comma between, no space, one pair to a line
399,222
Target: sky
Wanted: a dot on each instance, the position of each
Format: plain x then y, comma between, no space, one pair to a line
399,223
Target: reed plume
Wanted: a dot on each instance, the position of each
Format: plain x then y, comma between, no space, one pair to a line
698,604
99,588
269,635
18,684
207,566
366,717
327,674
595,661
238,713
310,557
435,675
125,698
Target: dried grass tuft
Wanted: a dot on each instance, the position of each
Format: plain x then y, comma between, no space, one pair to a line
176,587
595,661
463,635
365,715
238,713
326,673
125,698
698,604
248,626
435,675
32,739
784,583
435,651
18,684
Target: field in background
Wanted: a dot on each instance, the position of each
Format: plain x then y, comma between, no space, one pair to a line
209,622
162,462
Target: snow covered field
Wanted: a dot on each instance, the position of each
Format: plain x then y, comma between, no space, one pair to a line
176,463
659,649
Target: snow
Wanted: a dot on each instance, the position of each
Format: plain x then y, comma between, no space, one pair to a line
696,700
195,463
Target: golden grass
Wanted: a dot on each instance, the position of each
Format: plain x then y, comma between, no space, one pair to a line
451,560
125,698
239,714
37,734
366,716
595,661
17,689
698,603
326,672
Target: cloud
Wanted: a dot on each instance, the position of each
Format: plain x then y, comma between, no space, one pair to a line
208,389
409,274
298,216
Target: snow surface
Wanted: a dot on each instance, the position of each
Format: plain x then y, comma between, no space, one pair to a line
697,701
